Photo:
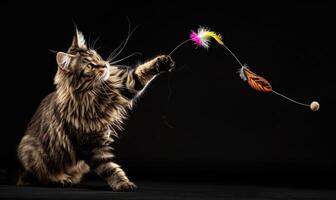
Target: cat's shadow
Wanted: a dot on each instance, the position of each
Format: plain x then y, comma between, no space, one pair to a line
91,181
93,185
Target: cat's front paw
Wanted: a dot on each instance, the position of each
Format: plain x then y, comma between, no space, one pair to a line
164,63
61,180
124,186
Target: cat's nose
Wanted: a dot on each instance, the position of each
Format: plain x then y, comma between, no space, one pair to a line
103,64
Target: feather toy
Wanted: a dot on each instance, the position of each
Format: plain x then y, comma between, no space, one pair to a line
202,38
261,84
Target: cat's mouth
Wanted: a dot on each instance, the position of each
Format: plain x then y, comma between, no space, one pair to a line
106,74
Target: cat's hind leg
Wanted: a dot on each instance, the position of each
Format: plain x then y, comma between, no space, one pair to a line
33,159
31,155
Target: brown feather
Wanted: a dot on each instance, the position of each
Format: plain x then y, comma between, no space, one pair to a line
257,82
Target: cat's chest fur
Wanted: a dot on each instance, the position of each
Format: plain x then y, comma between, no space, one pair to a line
94,112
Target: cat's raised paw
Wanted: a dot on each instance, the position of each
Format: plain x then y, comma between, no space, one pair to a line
165,63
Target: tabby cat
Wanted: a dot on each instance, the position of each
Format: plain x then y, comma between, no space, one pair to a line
72,130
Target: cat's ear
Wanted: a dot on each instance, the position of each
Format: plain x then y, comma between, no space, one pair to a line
78,41
63,61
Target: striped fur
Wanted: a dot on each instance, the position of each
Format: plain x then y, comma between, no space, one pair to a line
72,130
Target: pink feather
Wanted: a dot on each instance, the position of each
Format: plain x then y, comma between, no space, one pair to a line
196,39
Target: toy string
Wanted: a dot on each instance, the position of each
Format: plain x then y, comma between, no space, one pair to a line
279,94
275,92
234,55
240,63
178,46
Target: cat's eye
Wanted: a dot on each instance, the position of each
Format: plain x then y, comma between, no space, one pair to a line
89,66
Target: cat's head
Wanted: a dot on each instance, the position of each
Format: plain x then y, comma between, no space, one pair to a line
81,68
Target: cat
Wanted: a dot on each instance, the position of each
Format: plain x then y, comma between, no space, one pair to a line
73,128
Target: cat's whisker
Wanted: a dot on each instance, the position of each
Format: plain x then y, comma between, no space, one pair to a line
115,50
123,44
97,48
89,41
52,51
119,66
95,42
104,87
123,47
107,86
129,56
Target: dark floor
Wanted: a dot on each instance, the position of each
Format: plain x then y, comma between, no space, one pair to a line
169,190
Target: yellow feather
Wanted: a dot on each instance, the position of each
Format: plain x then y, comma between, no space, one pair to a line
215,36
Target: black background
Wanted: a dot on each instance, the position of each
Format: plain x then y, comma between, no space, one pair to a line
213,126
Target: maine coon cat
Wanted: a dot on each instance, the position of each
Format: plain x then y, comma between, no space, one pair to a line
73,128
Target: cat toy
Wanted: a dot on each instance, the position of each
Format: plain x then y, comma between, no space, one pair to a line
202,38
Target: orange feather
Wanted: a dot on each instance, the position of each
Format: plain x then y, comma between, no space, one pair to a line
256,82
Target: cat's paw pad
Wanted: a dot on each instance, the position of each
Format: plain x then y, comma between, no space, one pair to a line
125,186
165,63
